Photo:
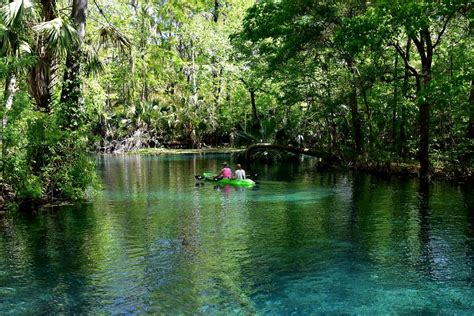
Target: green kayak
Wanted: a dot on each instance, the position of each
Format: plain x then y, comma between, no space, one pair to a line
241,183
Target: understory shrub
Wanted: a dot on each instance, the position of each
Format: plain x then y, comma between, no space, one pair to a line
42,160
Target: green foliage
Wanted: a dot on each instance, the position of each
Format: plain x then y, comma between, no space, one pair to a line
319,54
43,160
58,34
190,77
14,12
347,77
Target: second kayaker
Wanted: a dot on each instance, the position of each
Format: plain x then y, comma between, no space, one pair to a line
239,172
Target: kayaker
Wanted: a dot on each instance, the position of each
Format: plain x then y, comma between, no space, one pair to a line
239,173
225,173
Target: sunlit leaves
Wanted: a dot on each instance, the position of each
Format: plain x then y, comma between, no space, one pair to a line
12,14
93,64
59,35
14,20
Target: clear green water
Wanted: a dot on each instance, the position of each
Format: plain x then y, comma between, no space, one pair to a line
302,242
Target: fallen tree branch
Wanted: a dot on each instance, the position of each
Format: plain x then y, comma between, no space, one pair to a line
295,150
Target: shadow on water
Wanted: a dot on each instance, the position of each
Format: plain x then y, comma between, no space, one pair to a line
51,258
468,198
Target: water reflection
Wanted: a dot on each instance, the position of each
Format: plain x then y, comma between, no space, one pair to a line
302,242
468,198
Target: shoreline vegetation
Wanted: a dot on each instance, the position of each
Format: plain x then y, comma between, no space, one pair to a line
439,172
379,86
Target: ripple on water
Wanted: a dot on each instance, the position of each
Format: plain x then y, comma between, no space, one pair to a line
317,244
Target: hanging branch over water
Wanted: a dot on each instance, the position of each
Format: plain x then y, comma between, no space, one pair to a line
296,150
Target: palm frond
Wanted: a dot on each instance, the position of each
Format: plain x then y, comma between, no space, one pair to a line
243,137
93,65
5,43
25,47
111,37
12,14
59,35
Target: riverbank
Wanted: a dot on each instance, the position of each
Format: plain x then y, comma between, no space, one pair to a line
168,151
440,171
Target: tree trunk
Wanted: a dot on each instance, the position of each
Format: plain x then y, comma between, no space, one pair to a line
143,42
425,50
254,106
470,128
9,94
356,124
331,122
395,101
10,90
217,87
145,86
423,154
194,97
369,115
403,136
41,75
216,11
71,91
130,86
295,150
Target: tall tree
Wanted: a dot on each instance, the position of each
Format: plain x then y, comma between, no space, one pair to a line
470,128
285,29
71,90
42,74
425,23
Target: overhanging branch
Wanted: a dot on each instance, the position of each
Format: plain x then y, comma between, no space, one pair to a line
401,52
295,150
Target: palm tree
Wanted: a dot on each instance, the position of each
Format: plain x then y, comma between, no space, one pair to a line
71,90
44,36
31,29
12,41
34,28
53,36
87,55
13,23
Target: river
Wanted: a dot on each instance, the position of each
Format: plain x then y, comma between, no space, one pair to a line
300,242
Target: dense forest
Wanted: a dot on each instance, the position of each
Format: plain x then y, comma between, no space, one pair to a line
366,82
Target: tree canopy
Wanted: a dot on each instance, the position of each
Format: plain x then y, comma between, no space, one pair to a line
379,81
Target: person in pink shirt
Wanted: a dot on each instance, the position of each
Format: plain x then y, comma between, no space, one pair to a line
226,172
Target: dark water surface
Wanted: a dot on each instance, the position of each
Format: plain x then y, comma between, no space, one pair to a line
301,242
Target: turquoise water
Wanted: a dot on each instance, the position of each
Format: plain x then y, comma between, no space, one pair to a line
301,242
